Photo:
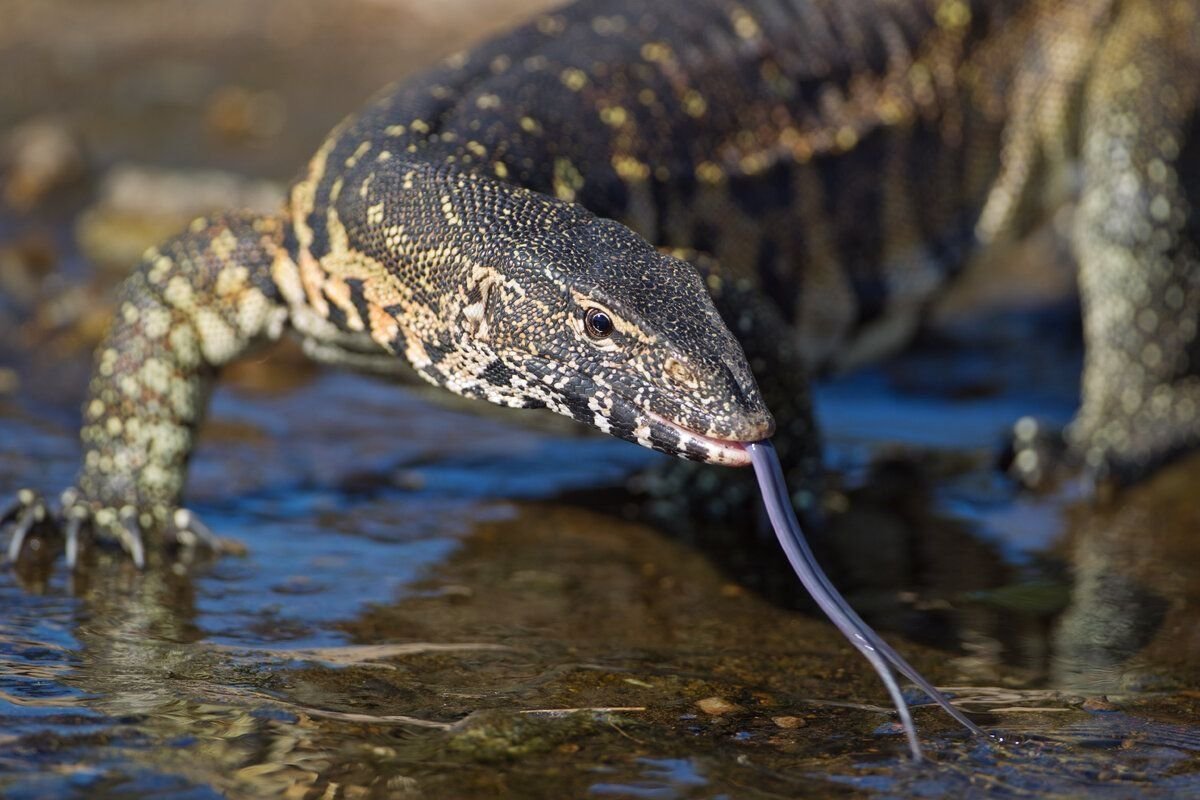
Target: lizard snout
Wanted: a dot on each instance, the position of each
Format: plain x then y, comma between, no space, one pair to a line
751,426
748,418
734,407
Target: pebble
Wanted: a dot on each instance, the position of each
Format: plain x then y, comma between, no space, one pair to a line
789,723
1100,703
716,706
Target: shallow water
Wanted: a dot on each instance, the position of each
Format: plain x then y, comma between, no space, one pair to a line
436,602
427,594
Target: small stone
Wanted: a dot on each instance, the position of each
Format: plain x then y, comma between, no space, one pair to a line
716,706
1100,703
789,723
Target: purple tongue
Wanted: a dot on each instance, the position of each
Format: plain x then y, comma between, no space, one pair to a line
877,651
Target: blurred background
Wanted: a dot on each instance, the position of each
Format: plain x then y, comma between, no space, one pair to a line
120,121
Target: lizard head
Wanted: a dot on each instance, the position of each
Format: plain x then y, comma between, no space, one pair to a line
555,307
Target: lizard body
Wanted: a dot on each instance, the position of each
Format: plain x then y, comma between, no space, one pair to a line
508,222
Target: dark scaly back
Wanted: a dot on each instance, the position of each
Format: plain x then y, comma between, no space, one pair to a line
835,152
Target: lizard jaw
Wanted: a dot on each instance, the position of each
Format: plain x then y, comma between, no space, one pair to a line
699,447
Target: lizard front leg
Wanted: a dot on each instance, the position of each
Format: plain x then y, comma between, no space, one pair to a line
193,305
1136,236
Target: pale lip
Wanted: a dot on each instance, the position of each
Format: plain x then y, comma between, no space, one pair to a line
720,451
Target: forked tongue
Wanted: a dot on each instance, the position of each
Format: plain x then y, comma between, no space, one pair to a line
869,643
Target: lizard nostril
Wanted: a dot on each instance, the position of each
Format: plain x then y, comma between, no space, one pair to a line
741,389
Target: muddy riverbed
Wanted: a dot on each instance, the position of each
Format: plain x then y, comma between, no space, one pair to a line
446,601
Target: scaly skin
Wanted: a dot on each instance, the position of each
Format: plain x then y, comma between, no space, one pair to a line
825,163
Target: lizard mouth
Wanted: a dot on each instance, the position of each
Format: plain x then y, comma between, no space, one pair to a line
614,413
699,447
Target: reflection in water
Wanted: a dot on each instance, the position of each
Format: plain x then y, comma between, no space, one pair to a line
1132,620
538,607
663,779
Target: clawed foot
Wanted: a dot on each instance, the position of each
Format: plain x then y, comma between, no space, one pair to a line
30,517
1037,456
1050,460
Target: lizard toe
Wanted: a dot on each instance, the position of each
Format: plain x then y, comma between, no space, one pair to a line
26,513
1037,456
129,534
29,518
188,532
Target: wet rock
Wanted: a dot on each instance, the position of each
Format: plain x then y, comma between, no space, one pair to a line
717,706
141,206
499,735
1100,703
38,157
789,723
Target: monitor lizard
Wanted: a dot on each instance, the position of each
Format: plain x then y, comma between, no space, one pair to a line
662,217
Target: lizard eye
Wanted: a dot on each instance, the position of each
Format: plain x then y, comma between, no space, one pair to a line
598,323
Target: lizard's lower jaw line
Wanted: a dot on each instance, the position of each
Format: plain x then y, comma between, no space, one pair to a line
717,451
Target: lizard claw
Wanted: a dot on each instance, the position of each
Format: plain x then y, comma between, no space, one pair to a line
27,510
189,531
79,520
75,522
131,537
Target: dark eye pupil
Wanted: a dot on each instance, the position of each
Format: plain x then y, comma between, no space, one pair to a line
598,323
